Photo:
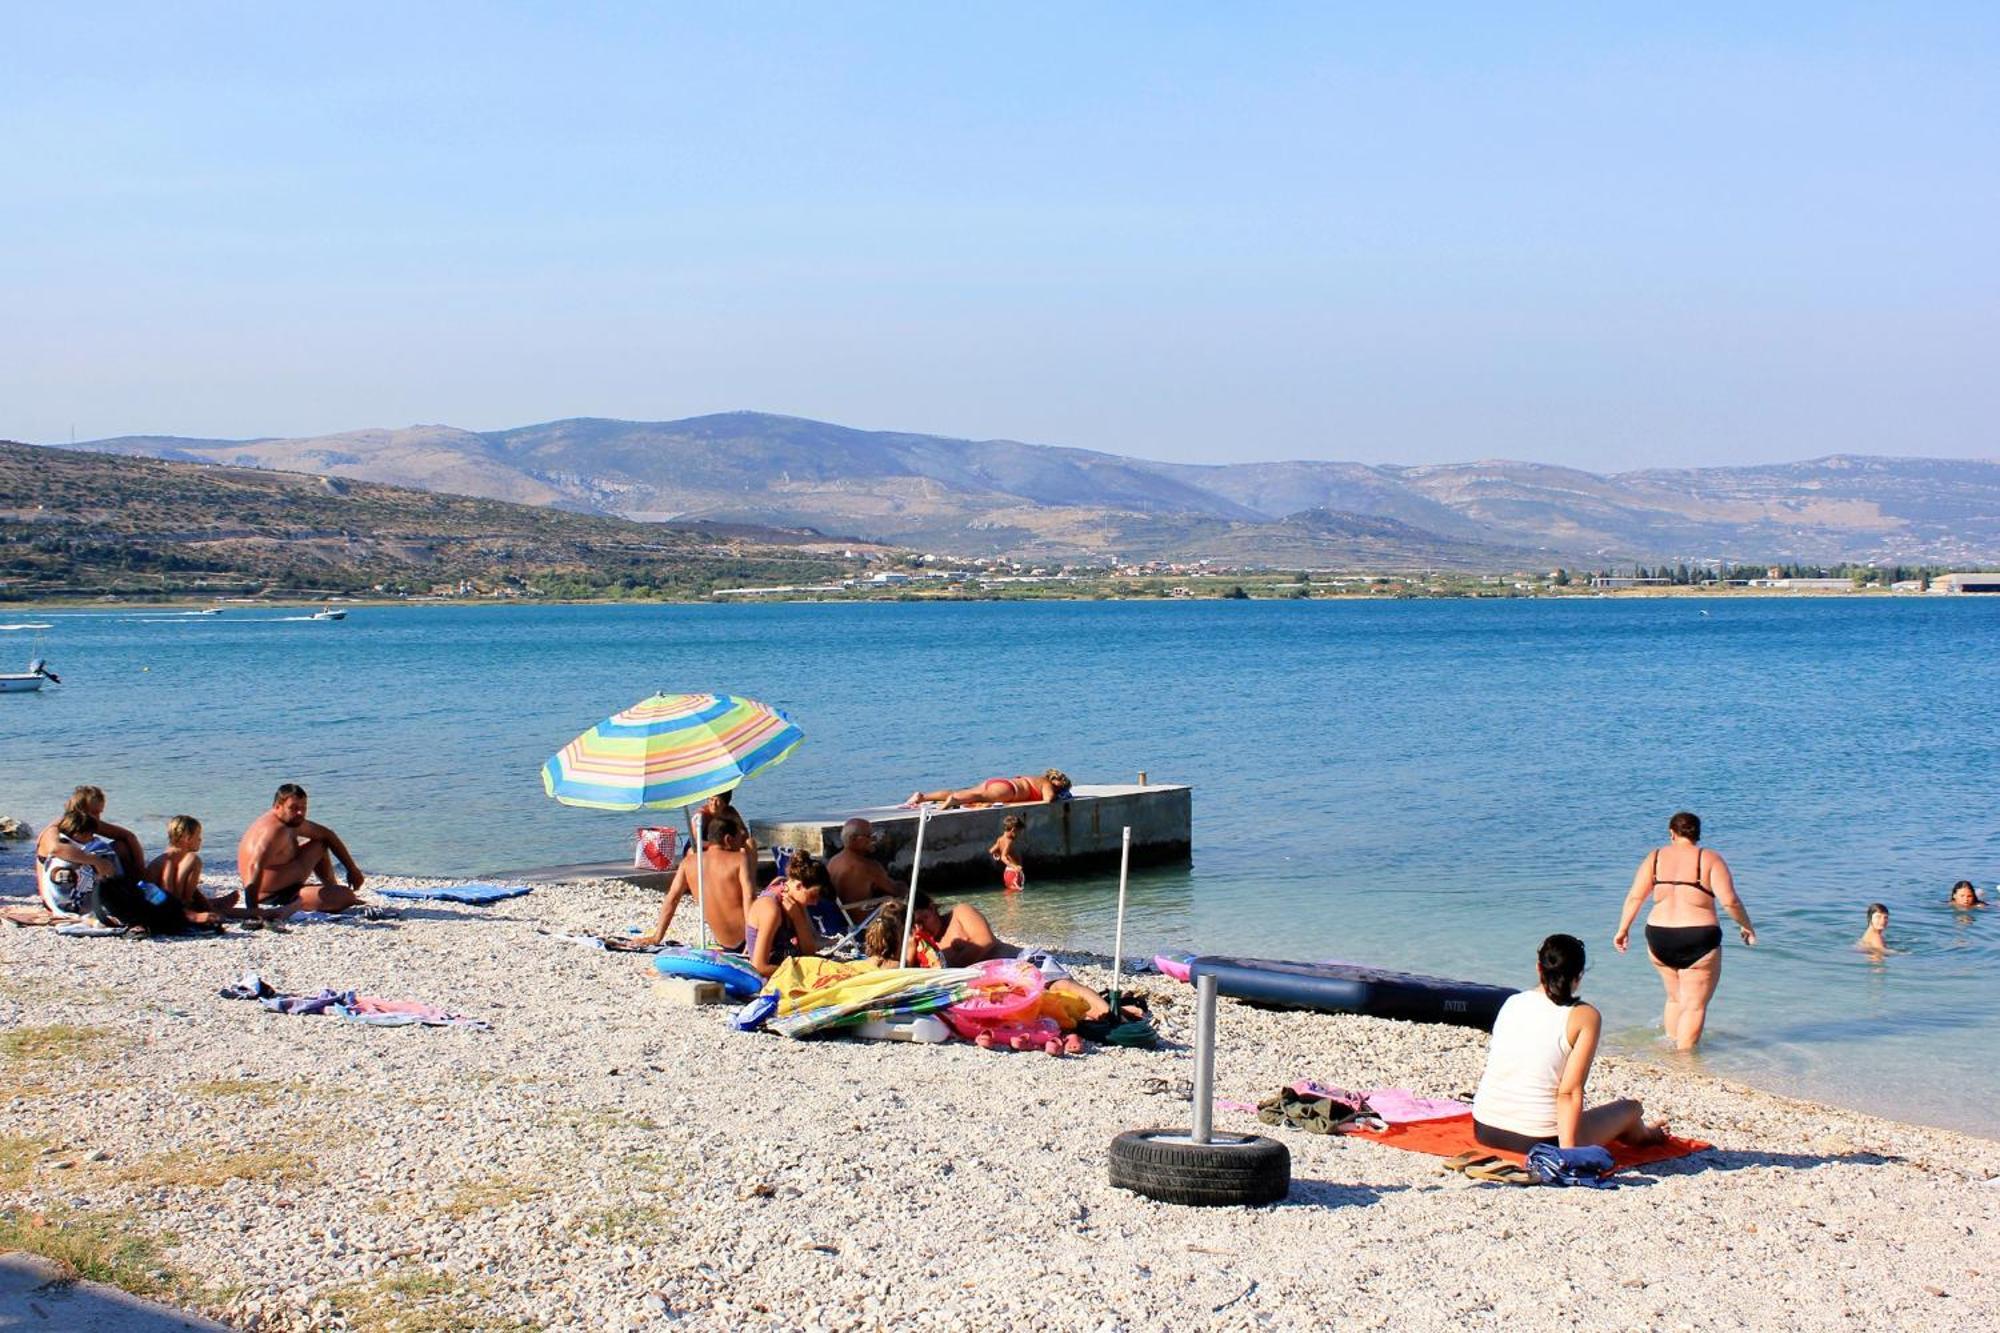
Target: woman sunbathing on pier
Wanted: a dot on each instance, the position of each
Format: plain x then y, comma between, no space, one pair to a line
1052,785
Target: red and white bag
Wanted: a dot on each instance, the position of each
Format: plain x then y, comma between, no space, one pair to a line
654,849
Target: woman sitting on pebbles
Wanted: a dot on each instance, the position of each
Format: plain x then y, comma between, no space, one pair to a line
1543,1043
780,924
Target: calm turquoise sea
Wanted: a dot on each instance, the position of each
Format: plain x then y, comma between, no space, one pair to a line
1432,785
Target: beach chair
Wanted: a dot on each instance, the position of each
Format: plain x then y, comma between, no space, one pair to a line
841,931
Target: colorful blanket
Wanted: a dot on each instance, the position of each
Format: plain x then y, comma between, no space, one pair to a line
814,994
1448,1138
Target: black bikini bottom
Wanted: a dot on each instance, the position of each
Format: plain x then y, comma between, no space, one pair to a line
1681,947
1506,1140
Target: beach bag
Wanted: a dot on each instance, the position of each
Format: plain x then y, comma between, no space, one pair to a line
120,902
654,848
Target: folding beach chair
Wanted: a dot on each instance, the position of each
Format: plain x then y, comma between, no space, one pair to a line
840,933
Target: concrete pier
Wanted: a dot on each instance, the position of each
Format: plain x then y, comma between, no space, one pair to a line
1061,838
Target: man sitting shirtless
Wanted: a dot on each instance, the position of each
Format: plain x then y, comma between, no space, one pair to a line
282,850
859,879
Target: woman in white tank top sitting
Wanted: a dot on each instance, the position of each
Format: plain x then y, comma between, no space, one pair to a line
1543,1042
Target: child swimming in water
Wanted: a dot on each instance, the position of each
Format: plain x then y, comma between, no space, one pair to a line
1873,939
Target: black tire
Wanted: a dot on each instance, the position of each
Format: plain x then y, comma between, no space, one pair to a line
1231,1170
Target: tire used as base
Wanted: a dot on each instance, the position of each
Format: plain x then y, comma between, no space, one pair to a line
1229,1171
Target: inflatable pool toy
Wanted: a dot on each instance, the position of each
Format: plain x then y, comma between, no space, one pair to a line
925,1028
1005,988
1174,965
739,981
1346,988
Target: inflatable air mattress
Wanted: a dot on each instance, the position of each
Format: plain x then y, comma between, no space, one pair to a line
739,980
1344,988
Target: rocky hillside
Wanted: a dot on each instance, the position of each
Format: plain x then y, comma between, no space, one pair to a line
999,496
83,524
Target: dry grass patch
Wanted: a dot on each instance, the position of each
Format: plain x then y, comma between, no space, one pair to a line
203,1168
57,1042
262,1092
18,1156
494,1192
114,1248
413,1301
605,1117
629,1222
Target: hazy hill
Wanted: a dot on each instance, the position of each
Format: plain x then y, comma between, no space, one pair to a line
1001,496
82,523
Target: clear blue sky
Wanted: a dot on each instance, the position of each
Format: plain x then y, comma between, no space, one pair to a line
1690,234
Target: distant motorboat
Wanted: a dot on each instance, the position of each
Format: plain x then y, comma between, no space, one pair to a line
26,682
327,613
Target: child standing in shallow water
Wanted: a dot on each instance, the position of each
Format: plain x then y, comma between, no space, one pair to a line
1013,876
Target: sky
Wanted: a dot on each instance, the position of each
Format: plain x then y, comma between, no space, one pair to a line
1689,234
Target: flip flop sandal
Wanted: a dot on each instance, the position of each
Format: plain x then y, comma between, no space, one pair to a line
1469,1159
1500,1173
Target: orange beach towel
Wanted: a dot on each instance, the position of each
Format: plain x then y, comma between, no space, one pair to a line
1448,1138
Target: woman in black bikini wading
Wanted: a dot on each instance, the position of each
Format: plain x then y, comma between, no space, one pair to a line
1686,882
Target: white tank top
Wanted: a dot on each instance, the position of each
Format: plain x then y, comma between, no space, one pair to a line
1524,1065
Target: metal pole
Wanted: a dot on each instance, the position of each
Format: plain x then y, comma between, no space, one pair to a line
910,908
1118,939
700,907
1204,1059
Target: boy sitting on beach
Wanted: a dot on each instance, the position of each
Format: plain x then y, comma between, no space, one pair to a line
178,869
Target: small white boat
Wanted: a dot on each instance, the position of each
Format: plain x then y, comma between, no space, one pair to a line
327,613
24,682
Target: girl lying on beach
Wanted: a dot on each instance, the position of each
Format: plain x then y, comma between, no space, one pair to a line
1544,1041
1052,785
934,940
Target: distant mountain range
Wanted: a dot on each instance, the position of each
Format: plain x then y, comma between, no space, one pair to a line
993,497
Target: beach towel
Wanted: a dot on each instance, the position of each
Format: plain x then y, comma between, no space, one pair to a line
356,1008
815,994
1398,1106
1448,1138
475,895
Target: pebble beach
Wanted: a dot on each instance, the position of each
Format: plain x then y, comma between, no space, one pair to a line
603,1159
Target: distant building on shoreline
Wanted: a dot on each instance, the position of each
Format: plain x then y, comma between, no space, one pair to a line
1976,582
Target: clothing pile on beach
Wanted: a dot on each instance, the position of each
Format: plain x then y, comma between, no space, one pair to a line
350,1005
1321,1108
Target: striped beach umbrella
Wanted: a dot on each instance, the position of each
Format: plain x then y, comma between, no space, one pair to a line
669,751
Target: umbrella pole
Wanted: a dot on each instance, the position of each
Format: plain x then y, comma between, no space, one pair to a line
700,907
1118,939
910,908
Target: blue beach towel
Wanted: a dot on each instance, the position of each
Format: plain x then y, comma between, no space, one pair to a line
477,895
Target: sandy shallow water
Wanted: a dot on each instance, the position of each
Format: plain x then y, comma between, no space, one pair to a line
603,1160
